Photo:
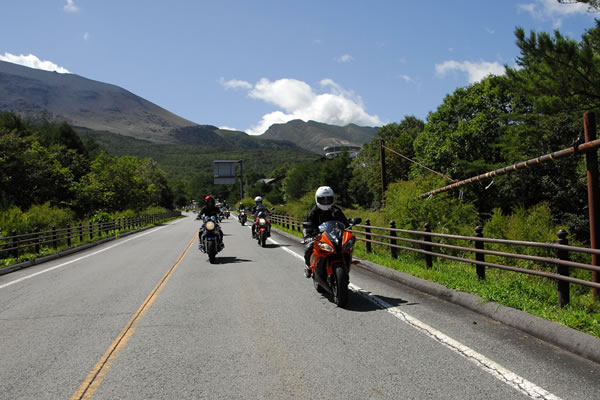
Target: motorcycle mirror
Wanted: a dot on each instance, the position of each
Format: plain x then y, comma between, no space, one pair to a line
355,221
307,224
272,208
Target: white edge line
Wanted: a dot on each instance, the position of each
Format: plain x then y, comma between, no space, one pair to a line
79,258
498,371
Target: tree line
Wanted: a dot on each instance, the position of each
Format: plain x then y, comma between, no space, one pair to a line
45,162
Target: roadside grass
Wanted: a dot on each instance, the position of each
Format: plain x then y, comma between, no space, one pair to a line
534,295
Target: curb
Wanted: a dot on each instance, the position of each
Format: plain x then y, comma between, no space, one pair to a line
574,341
64,253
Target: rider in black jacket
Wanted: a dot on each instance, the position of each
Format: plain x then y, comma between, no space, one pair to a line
210,209
323,211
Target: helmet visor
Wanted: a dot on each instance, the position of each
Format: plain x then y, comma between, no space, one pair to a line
325,200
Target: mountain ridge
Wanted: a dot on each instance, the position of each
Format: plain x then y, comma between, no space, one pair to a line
104,107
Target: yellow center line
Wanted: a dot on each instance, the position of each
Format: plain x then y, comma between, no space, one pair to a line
91,383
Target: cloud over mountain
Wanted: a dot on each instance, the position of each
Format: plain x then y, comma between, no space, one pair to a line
298,100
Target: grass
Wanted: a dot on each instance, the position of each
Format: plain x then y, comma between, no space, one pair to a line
531,294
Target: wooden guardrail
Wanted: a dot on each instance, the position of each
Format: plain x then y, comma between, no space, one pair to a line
423,242
17,244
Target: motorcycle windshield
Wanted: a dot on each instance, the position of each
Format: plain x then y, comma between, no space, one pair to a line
334,230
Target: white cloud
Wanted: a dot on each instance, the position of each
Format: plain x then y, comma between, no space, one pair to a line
298,100
407,78
552,10
345,58
32,61
86,36
235,84
70,6
476,71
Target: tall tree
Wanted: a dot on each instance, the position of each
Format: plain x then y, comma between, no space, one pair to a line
560,74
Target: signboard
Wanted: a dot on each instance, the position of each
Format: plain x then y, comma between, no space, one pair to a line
224,172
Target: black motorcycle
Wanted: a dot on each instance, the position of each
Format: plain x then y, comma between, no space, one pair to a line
211,238
242,217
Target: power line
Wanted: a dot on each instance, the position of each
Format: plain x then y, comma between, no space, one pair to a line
419,164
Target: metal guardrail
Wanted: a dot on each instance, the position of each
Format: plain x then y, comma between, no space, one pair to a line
423,240
18,244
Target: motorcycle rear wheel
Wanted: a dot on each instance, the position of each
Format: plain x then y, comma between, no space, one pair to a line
318,287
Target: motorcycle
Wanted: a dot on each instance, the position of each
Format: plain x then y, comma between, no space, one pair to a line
210,238
331,258
262,227
242,217
227,214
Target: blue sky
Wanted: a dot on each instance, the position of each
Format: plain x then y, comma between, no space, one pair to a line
247,64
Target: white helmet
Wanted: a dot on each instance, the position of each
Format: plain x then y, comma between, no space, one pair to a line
324,198
258,199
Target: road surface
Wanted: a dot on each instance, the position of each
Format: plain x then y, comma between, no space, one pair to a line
148,317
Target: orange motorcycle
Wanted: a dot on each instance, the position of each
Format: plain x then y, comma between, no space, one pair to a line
331,258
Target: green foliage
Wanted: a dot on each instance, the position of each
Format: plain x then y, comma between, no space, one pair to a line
444,213
365,186
42,217
559,73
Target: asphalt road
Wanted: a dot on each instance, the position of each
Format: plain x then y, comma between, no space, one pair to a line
147,317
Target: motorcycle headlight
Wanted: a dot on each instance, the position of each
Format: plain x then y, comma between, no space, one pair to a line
210,225
325,246
262,221
349,246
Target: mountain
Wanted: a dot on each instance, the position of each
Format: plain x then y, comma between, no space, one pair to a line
94,106
314,136
85,103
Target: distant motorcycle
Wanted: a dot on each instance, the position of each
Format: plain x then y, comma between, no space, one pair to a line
262,226
210,238
331,258
227,214
242,217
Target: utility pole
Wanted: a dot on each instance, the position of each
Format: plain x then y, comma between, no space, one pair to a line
241,179
591,158
383,179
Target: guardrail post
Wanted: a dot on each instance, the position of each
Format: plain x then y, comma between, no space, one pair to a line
367,236
54,238
80,232
427,238
69,235
15,244
478,256
287,221
563,286
91,228
37,240
393,242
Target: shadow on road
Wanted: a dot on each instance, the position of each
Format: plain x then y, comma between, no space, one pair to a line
359,303
230,260
274,246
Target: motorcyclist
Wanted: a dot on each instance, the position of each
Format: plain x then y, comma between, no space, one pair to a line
210,209
242,207
258,207
323,211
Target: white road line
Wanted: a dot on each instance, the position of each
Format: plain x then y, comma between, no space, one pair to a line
498,371
79,258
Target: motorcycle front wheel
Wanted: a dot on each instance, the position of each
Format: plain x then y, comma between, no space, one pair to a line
340,287
263,238
211,249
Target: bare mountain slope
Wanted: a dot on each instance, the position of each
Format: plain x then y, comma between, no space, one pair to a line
84,102
314,136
